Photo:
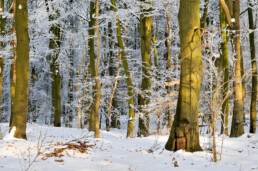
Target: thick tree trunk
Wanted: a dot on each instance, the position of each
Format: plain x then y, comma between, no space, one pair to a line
237,128
185,130
145,27
224,47
254,72
22,80
128,76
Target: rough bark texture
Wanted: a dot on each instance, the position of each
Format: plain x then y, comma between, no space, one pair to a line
237,128
128,75
145,27
22,79
185,130
224,47
254,72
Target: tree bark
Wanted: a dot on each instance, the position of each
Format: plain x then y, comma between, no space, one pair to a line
22,80
237,128
185,130
92,59
128,75
2,18
224,47
254,71
145,27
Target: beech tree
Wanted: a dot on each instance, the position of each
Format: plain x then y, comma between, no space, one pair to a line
2,19
146,36
254,70
22,67
185,129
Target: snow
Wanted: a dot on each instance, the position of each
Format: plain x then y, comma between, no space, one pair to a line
113,152
20,6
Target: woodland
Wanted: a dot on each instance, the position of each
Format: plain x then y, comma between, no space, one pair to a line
179,74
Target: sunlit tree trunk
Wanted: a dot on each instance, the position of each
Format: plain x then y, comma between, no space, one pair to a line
185,129
145,27
127,73
224,47
237,128
97,85
254,71
22,63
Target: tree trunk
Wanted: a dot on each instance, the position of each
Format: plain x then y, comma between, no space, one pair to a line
22,80
224,47
205,13
2,18
237,128
13,64
145,27
254,71
168,35
128,76
185,130
54,45
98,86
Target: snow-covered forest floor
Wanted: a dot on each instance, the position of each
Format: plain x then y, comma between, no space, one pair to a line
76,149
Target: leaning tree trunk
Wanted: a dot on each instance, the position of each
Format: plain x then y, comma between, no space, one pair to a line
145,27
2,18
254,71
128,76
22,63
237,127
185,130
224,47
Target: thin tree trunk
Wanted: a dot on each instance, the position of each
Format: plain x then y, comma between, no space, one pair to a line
128,76
98,86
254,71
237,128
2,18
168,36
185,129
224,47
13,64
22,80
145,27
205,13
